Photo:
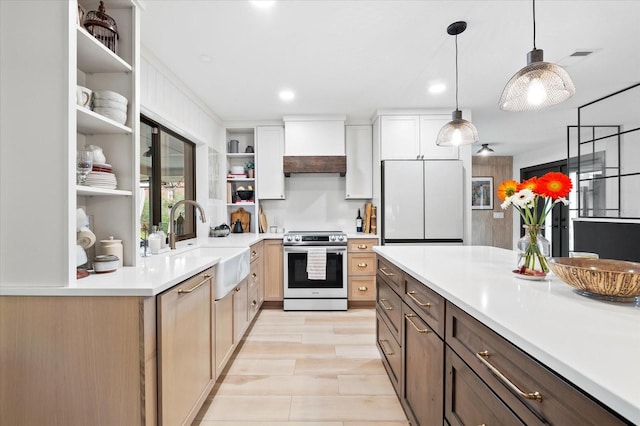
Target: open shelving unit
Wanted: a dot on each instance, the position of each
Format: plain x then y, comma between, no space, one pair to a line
245,138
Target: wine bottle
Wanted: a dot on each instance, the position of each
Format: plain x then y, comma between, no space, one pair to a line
358,222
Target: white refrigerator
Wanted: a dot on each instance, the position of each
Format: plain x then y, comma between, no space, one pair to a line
422,201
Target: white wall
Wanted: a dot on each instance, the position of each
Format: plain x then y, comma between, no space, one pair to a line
165,99
314,201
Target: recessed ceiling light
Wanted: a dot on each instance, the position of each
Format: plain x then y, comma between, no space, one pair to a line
287,95
262,4
437,88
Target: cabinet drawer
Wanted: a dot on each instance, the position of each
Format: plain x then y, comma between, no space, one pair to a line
361,245
468,400
544,397
253,302
389,305
389,273
255,251
428,304
390,351
254,275
362,288
362,264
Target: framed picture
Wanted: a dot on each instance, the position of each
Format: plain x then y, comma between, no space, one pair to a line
482,193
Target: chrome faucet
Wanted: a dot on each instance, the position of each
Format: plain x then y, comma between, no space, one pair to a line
172,230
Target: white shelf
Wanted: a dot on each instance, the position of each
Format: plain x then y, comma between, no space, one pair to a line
241,155
94,56
241,204
90,191
240,179
92,123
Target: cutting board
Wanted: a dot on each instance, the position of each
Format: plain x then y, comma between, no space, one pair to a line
263,221
245,219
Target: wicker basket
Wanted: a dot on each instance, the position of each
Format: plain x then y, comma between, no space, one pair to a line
103,27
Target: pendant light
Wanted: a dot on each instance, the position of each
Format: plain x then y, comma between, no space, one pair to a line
538,85
485,150
457,131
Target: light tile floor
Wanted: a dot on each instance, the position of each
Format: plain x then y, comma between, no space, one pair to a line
306,369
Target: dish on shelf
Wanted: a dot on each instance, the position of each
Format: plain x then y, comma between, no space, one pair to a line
518,274
110,95
116,115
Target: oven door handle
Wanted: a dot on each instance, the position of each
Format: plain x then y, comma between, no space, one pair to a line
305,249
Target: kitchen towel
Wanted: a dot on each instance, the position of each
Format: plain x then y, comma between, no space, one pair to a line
317,263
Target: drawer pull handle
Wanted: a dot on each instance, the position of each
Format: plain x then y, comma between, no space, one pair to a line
532,395
387,353
362,265
194,288
253,254
421,304
363,288
419,330
362,246
385,306
254,275
237,289
254,303
388,274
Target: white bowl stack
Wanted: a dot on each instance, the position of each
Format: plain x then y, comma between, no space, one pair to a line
110,104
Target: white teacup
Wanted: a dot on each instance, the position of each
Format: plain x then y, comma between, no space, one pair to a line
83,96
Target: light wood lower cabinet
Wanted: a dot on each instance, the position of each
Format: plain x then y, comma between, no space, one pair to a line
273,271
361,270
223,332
185,376
240,311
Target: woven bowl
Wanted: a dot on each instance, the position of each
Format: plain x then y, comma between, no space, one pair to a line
604,277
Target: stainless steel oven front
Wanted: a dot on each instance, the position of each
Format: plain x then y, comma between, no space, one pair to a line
303,293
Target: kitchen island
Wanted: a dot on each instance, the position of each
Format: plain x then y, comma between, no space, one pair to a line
593,345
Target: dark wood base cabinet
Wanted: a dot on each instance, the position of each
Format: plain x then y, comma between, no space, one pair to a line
450,369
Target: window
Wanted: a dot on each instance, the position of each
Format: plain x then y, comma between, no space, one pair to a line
167,175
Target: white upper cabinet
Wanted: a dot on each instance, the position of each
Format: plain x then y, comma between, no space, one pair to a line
430,126
311,135
400,137
411,137
269,172
359,179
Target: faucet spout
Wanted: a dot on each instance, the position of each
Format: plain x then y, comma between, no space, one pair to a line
172,231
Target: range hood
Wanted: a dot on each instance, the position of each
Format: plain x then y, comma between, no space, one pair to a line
314,164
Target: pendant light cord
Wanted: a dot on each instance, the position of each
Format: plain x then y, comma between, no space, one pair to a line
534,24
456,72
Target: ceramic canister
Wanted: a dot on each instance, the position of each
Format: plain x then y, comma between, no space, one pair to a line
113,247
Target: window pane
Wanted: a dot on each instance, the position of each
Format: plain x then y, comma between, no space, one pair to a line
146,167
176,158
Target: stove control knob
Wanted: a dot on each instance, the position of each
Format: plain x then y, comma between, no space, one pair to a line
341,238
297,237
332,237
289,238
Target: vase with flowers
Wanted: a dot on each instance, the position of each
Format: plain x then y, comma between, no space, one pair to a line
534,199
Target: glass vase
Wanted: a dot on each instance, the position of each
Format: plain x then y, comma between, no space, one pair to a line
533,252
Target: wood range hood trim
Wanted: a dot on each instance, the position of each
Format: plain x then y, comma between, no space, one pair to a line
314,164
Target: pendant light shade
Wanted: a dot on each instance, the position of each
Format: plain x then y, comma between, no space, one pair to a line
538,85
457,131
485,150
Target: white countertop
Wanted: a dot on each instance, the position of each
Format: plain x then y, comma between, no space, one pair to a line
593,344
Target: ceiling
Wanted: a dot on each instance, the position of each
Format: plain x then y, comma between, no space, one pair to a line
354,57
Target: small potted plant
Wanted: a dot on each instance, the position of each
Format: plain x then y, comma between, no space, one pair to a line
248,168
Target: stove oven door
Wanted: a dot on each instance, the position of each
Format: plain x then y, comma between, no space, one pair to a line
298,285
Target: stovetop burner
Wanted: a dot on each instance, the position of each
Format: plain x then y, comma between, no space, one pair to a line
315,238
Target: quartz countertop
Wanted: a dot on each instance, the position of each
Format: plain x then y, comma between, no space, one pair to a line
593,344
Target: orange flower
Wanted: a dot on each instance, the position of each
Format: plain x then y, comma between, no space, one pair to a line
531,184
507,189
555,185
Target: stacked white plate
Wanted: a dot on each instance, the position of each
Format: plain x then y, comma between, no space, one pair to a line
102,180
110,104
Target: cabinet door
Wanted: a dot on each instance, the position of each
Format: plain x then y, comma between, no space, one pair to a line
443,199
240,311
184,349
224,331
273,274
314,137
430,126
359,179
404,200
424,363
269,172
400,137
